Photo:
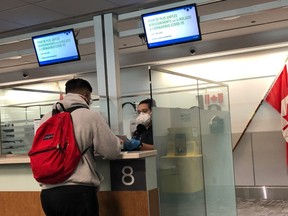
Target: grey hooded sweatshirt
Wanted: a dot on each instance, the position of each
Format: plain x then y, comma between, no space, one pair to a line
90,128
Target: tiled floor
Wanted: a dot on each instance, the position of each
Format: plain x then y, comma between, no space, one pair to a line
195,206
252,207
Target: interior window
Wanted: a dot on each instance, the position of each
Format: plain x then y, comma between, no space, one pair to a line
21,107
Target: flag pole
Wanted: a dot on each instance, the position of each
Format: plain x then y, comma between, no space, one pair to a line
250,120
261,102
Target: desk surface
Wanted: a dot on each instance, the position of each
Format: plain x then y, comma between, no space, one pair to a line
137,154
24,159
182,156
14,159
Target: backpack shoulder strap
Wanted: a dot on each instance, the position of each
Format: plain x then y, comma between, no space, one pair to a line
57,110
59,107
71,109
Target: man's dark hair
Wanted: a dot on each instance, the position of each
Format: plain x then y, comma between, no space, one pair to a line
151,103
76,85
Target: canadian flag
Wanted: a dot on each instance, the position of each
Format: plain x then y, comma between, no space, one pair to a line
214,98
277,97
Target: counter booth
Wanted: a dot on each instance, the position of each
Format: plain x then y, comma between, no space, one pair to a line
129,188
192,136
130,182
190,171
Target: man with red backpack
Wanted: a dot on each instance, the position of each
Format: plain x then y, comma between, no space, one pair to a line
77,195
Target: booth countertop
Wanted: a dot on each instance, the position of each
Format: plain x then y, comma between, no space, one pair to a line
24,159
14,159
137,154
182,156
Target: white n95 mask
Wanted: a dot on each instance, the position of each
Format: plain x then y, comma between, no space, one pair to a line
144,119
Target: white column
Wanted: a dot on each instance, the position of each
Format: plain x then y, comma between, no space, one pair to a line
108,70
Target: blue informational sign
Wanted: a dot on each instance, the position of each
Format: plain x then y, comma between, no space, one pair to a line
171,26
56,47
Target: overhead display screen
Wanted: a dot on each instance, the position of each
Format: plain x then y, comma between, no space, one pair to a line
171,26
56,47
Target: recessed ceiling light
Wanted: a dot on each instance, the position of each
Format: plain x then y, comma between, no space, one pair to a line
14,57
231,18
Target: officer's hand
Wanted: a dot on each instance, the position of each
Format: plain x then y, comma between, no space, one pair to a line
132,144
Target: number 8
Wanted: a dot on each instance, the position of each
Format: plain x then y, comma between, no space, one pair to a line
127,172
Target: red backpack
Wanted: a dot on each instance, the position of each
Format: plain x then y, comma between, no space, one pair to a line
55,153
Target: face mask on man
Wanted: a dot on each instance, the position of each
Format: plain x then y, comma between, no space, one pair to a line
144,119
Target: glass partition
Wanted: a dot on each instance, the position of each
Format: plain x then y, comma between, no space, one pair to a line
22,106
191,128
134,88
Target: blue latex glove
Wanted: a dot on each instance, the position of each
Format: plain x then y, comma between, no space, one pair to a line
132,144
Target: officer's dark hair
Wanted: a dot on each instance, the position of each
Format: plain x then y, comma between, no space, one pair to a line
151,103
77,85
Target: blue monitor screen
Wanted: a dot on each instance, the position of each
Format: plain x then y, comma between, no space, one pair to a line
56,47
171,26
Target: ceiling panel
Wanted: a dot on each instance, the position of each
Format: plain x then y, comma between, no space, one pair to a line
248,24
30,15
128,2
8,26
27,44
76,7
225,5
33,1
11,4
219,34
